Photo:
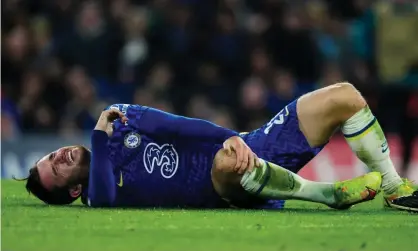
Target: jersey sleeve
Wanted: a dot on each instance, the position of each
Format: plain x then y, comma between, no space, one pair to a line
158,123
102,184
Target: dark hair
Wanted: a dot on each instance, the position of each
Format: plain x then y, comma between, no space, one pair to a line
58,196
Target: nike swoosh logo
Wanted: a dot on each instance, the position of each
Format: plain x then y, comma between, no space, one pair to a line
385,147
120,184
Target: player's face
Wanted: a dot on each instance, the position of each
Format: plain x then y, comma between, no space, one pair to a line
66,166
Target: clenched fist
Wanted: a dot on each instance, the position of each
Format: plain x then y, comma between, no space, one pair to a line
104,123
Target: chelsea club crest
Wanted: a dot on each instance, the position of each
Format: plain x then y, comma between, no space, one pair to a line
132,140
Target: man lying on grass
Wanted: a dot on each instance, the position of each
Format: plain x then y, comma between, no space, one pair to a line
143,157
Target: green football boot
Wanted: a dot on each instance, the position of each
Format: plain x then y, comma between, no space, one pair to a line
350,192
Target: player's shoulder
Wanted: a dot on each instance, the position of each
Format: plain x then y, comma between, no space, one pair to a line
120,107
125,107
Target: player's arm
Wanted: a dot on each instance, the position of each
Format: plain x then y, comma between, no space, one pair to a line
157,123
163,124
102,183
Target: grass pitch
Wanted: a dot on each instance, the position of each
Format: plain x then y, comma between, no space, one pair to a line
28,225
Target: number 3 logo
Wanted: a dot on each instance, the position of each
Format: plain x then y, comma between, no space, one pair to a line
277,120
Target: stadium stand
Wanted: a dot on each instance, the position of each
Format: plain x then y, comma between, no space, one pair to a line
233,62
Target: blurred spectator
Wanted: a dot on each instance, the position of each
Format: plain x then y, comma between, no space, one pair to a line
36,113
253,95
159,79
210,82
42,40
10,124
143,96
15,57
408,129
228,46
284,90
84,108
331,74
163,105
260,63
200,107
135,49
222,117
253,102
90,43
331,39
292,45
409,118
118,9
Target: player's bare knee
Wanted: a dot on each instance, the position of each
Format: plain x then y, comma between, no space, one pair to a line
343,101
322,111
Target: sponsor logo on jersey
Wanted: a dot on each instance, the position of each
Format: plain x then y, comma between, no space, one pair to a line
163,157
132,140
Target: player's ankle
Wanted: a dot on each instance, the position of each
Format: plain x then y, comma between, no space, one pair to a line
391,180
334,200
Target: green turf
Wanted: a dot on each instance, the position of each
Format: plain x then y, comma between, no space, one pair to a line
28,225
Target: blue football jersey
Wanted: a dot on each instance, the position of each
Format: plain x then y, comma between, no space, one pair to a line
158,161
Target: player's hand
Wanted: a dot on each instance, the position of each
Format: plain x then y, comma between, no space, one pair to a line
106,119
246,159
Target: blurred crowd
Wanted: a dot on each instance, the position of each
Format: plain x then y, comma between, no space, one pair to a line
234,62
